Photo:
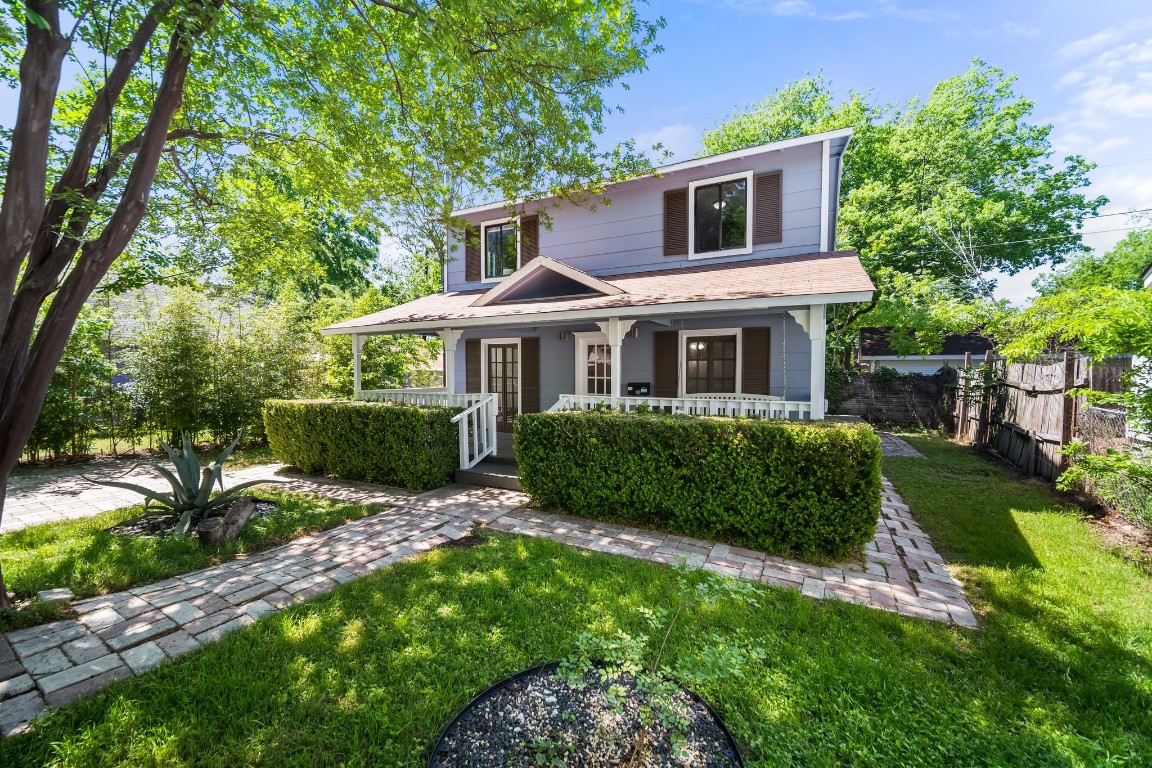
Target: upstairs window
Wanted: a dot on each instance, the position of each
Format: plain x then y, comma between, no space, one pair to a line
719,217
501,250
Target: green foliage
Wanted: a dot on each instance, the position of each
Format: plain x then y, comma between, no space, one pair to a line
1120,268
415,448
1121,478
885,378
66,425
191,496
778,486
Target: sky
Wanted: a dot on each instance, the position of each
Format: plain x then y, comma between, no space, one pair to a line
1086,65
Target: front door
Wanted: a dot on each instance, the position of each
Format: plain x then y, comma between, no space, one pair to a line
504,383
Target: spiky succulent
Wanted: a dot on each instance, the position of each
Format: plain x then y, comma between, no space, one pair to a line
191,495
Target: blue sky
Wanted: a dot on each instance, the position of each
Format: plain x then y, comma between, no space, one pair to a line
1086,65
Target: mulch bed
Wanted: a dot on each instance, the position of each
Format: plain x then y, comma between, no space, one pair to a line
538,718
159,523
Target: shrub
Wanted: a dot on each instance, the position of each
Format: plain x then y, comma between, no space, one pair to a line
397,445
811,489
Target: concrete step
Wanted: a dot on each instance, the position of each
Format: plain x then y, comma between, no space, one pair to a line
491,474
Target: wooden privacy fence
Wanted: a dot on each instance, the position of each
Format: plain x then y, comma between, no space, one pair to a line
1021,411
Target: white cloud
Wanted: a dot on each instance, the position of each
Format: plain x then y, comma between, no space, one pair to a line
681,139
1009,29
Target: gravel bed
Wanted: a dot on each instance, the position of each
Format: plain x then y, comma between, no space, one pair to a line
542,720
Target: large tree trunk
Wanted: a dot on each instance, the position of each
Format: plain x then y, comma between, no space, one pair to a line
40,239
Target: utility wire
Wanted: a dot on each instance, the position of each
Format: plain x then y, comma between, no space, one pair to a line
1137,228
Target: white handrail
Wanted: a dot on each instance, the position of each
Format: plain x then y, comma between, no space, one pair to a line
477,422
477,430
703,405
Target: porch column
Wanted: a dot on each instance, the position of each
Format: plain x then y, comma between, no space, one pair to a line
616,329
357,345
817,333
449,337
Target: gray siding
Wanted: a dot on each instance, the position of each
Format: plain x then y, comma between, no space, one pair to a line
558,358
627,235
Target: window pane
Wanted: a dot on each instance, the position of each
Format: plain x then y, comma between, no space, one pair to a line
499,250
734,213
707,218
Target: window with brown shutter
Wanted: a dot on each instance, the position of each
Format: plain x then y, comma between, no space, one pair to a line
676,222
529,374
472,254
529,239
665,364
472,372
757,354
767,219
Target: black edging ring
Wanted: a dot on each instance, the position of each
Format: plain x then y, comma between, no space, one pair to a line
551,666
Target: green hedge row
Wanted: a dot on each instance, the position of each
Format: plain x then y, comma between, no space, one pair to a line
808,489
396,445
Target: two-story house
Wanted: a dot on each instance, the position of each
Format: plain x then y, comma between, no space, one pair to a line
702,289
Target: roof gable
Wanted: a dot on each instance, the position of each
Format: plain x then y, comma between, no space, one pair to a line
544,278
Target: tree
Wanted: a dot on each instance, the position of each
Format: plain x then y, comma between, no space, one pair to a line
942,191
178,93
1121,267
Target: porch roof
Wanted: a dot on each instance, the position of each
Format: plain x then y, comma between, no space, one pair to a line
816,278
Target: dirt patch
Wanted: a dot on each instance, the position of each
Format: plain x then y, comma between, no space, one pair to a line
1131,540
465,542
160,522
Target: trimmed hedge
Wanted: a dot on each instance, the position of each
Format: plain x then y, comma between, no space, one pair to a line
808,489
397,445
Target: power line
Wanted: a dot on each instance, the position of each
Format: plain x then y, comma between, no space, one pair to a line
1137,228
1119,213
1124,162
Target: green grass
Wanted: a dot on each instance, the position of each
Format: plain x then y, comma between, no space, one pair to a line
1059,675
81,555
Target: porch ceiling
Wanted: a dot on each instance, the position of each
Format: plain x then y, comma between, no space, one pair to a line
816,278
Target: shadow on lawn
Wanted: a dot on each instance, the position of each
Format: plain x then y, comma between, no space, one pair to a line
370,673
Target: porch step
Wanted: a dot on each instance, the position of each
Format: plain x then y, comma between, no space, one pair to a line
492,474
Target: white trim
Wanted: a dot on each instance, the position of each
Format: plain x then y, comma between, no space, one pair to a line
484,344
682,373
536,318
543,262
583,339
825,195
692,185
484,248
701,162
817,333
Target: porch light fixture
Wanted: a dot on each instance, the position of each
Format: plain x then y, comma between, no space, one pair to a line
563,335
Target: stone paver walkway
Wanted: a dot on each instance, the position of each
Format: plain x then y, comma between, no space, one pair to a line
893,445
47,495
119,635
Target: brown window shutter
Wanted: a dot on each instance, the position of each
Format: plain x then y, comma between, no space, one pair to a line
767,219
529,374
472,363
756,363
665,363
529,239
676,222
472,255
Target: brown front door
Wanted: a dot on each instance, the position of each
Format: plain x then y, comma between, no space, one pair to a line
504,382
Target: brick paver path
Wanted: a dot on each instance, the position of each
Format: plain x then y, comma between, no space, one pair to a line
893,445
38,495
119,635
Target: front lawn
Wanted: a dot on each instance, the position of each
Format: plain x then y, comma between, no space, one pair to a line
1060,674
81,555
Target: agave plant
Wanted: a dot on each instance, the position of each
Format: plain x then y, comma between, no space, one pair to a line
191,496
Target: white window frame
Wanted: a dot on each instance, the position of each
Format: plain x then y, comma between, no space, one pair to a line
682,386
583,339
484,247
484,344
747,176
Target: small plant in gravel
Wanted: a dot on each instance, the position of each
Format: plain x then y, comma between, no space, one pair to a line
640,657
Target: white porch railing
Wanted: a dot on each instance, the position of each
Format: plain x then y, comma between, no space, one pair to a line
477,422
708,405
